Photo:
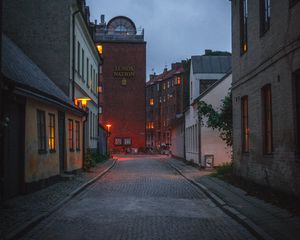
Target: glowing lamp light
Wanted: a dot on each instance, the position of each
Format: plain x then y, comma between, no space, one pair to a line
108,129
99,48
83,101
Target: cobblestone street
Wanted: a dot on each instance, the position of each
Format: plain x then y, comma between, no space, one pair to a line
140,198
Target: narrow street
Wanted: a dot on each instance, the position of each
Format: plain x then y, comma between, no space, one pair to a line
142,197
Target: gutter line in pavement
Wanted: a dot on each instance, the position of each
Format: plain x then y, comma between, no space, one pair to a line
255,230
31,224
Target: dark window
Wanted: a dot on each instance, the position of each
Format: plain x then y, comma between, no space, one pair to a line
41,130
87,72
82,63
71,134
205,84
267,119
293,2
78,57
91,124
297,112
77,125
265,15
245,125
51,132
243,25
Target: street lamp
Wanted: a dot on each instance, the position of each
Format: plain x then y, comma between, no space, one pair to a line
108,126
108,129
83,102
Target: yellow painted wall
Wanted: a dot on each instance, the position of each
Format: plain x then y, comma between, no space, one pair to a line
73,158
39,166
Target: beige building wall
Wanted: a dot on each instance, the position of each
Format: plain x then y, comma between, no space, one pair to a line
39,165
73,157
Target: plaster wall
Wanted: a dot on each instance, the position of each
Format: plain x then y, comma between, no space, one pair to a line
211,143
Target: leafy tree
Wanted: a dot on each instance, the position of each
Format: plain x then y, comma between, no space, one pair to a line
221,120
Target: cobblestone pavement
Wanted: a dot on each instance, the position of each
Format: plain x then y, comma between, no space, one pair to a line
20,210
278,223
141,198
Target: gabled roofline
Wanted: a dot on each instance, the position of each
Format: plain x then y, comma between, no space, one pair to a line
25,90
212,87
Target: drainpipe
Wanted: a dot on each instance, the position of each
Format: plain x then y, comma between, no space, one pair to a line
184,141
86,115
73,55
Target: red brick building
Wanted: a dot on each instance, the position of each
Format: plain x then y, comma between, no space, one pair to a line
123,82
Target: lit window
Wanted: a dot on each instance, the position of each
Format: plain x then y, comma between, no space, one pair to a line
71,135
41,130
178,80
100,89
243,25
127,141
100,48
151,102
118,141
51,132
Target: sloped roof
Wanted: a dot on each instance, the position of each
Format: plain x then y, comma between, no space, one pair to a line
165,75
208,90
211,64
19,68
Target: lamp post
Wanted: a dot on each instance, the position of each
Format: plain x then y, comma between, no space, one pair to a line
108,126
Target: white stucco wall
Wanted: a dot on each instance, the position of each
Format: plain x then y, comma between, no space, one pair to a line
177,141
86,87
192,134
211,143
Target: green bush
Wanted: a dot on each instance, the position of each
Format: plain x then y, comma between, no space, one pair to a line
224,169
92,158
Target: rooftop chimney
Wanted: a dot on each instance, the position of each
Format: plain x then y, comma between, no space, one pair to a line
102,18
176,65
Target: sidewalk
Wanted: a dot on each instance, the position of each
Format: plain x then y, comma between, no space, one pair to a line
266,220
23,212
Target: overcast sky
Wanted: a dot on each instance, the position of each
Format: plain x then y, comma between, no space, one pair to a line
174,29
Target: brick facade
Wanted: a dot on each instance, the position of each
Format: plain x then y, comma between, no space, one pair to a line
165,102
124,96
271,59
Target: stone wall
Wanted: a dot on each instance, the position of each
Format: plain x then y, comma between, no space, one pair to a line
271,59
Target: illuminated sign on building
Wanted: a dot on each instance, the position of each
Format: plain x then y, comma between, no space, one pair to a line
124,71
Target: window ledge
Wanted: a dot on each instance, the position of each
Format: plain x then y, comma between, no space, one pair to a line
52,151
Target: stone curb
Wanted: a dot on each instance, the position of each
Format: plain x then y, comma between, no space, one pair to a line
29,225
233,213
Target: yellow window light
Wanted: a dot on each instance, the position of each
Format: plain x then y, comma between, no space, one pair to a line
100,48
